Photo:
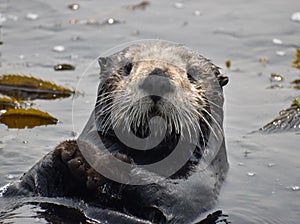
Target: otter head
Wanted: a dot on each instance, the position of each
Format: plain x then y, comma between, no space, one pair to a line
158,80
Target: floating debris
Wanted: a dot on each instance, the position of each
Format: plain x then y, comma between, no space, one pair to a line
26,118
59,48
141,5
178,5
251,174
262,60
23,87
277,41
288,120
74,6
91,21
296,61
228,64
295,17
73,21
75,38
296,81
280,53
8,103
276,77
275,86
32,16
296,102
296,84
64,67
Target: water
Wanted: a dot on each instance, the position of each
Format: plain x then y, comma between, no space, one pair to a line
262,185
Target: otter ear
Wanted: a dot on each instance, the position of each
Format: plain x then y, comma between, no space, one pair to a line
105,63
223,79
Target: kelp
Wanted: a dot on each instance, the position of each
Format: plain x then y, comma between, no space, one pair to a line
274,77
23,87
228,64
141,5
64,67
296,84
26,118
296,61
288,120
8,103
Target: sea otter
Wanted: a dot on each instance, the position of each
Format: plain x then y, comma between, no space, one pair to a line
153,150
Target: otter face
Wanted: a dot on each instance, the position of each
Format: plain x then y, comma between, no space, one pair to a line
150,80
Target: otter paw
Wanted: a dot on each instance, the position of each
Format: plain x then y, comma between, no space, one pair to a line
69,154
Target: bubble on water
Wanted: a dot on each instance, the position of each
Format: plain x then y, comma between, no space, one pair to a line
32,16
251,174
178,5
295,17
277,41
21,56
271,164
293,188
59,48
12,17
10,177
197,13
2,18
280,53
112,21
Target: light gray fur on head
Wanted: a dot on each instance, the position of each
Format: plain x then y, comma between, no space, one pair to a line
167,52
181,108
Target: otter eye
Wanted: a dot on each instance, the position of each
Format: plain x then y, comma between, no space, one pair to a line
128,68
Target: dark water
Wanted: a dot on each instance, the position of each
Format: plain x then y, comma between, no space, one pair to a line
264,179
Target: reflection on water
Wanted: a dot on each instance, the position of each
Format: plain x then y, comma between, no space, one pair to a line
241,32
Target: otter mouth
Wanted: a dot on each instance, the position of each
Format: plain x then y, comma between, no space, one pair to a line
166,132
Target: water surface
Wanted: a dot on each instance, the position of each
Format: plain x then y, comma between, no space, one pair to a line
263,181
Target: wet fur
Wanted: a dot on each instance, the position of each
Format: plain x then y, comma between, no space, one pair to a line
179,199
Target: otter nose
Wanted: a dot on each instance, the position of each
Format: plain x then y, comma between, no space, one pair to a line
154,98
157,84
